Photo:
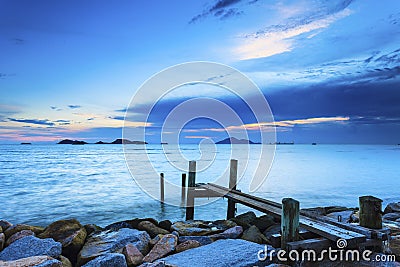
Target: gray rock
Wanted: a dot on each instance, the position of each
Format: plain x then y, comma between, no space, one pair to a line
50,263
107,260
254,235
5,224
344,215
192,228
166,225
31,246
391,216
2,241
19,235
232,233
105,242
221,253
166,245
263,222
152,229
41,261
273,229
392,207
245,220
203,240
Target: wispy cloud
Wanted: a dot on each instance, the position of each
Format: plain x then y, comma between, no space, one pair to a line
277,39
197,136
33,121
222,9
267,126
74,106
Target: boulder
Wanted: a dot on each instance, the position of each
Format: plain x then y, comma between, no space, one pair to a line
391,216
65,261
232,233
392,207
245,220
5,224
133,224
166,225
132,255
192,228
203,240
107,260
346,216
155,240
41,261
29,246
263,222
154,264
19,227
2,241
151,229
187,245
70,233
331,209
1,229
252,234
91,228
221,253
166,245
19,235
223,224
273,229
110,242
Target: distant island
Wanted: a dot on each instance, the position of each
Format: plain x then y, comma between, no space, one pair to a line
26,143
116,141
233,140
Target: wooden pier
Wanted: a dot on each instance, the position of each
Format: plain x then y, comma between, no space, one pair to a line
322,231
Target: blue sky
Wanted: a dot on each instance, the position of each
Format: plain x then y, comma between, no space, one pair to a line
329,69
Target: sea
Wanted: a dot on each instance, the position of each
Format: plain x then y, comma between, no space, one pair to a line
96,183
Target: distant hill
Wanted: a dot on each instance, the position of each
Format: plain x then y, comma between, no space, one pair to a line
71,142
129,142
115,142
233,140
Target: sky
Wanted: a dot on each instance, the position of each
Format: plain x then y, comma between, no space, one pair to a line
328,69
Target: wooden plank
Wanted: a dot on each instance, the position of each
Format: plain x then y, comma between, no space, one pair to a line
328,231
382,234
289,221
315,244
232,186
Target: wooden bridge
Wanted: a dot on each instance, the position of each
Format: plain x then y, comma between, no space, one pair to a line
318,232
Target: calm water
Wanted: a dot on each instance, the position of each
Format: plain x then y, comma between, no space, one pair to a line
43,183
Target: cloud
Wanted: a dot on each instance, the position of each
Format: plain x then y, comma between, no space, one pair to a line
277,39
74,106
121,110
18,41
33,121
197,137
221,9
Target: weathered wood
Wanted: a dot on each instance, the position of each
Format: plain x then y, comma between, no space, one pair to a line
232,186
382,234
326,230
289,221
190,193
315,244
183,189
370,212
162,187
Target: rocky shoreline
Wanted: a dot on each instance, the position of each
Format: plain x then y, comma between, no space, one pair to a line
147,242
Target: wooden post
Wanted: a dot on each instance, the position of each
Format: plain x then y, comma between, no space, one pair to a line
183,195
232,186
370,212
162,187
289,221
191,188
